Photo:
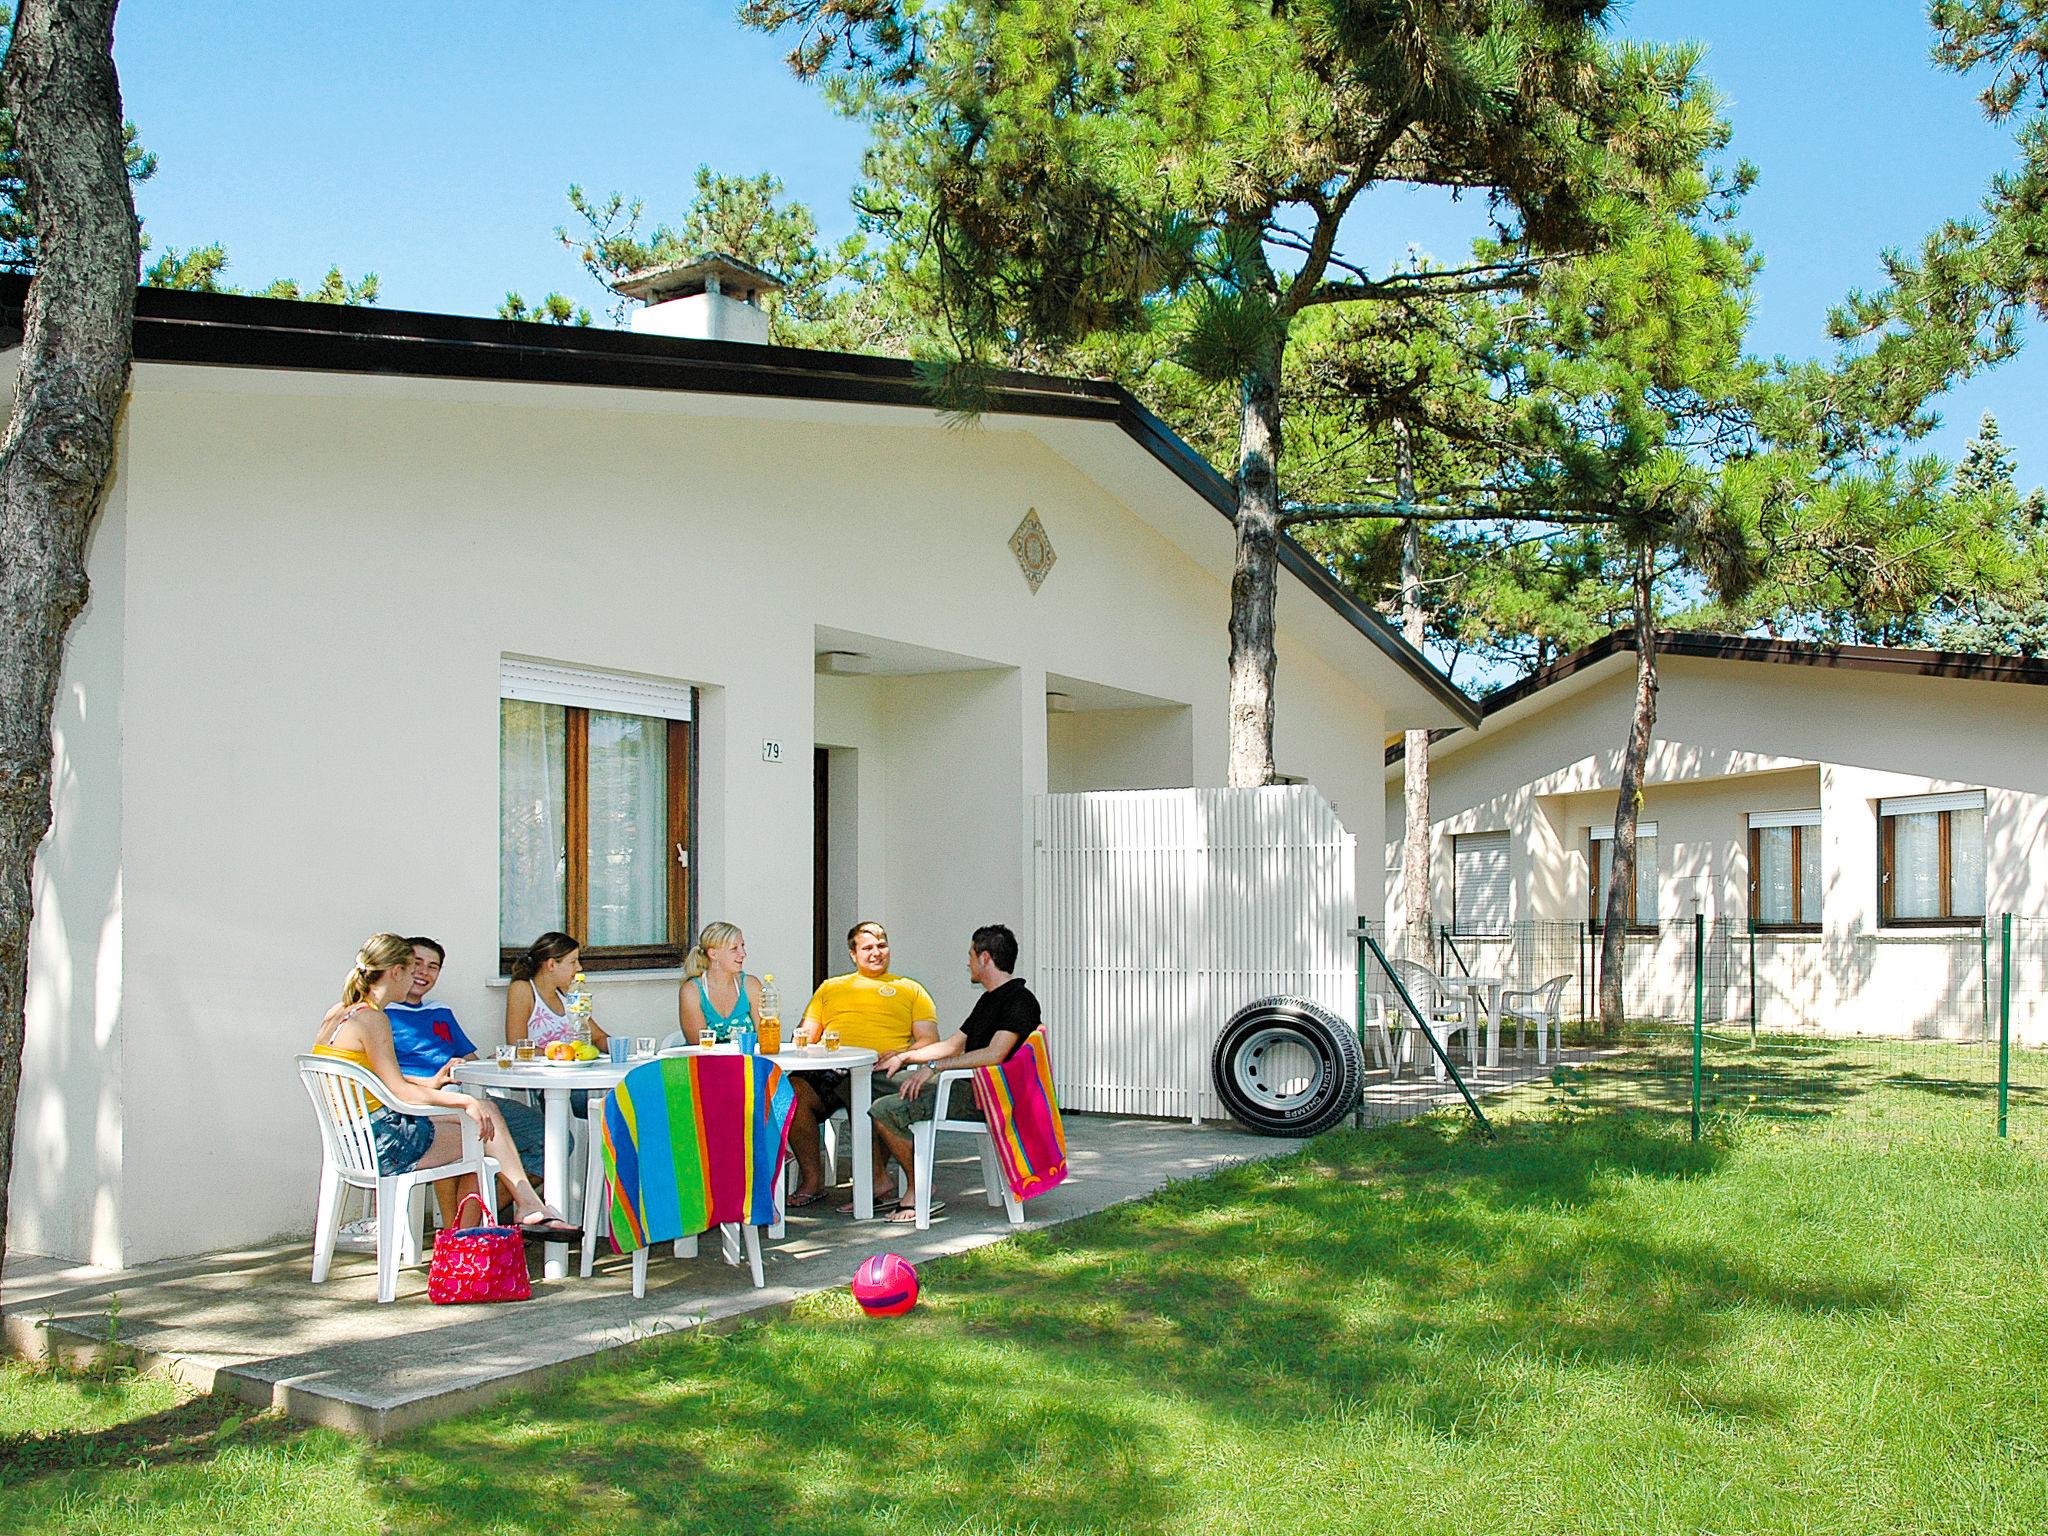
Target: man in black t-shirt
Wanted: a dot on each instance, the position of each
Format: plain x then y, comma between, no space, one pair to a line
1003,1018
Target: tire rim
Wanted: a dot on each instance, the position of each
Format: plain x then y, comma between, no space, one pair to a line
1278,1070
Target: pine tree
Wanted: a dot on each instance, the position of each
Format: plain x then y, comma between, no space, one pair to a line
1078,167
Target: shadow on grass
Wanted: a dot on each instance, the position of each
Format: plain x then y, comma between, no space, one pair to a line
1403,1269
191,1431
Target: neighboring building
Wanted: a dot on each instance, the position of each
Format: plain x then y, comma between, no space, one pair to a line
1867,811
471,628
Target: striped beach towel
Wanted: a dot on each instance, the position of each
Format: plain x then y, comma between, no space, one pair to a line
1023,1118
694,1141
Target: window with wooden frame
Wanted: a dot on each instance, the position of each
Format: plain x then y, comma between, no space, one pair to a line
1784,870
1930,859
1642,896
597,813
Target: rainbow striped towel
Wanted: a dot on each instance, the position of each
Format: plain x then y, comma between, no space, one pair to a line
1023,1117
694,1141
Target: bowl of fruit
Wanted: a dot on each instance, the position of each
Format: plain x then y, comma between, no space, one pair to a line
571,1052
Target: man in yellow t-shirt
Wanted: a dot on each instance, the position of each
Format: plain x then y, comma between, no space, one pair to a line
874,1009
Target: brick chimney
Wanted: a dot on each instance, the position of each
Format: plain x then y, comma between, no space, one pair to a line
711,298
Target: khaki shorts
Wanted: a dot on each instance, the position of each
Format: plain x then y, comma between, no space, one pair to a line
899,1114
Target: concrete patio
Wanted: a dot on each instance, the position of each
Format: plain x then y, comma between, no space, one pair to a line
251,1323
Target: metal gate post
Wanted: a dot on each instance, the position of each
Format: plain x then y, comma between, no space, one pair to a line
1358,1114
1699,1009
2004,1016
1752,983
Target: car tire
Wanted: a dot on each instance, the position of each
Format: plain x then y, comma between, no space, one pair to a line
1285,1067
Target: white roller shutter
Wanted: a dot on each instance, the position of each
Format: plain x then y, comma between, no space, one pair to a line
1479,882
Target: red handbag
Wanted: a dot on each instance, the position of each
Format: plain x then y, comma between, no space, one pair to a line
478,1263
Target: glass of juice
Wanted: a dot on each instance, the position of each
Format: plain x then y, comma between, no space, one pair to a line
522,1050
831,1040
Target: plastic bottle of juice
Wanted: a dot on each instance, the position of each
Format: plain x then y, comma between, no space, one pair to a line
771,1016
578,1008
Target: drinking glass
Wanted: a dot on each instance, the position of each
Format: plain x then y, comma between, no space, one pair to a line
507,1054
523,1051
831,1041
644,1047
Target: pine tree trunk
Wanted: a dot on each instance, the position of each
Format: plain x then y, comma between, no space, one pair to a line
1254,583
1417,896
60,86
1618,914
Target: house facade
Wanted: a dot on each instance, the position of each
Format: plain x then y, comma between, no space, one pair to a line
476,629
1868,814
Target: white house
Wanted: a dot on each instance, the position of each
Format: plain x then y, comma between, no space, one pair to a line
1866,812
456,626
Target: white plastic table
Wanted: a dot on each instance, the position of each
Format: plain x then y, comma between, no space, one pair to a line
555,1081
1482,992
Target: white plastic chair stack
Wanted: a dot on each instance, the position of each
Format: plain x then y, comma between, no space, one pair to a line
341,1092
924,1141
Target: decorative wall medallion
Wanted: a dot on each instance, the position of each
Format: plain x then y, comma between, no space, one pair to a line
1033,548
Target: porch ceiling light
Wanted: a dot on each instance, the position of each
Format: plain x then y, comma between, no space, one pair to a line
845,663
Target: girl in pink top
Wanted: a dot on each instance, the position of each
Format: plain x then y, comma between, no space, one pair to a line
536,1004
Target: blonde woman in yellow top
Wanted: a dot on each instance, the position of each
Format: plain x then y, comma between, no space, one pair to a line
870,1007
356,1029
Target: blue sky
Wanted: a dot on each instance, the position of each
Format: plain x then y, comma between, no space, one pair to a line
432,144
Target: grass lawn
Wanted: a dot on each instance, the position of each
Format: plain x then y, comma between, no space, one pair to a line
1813,1321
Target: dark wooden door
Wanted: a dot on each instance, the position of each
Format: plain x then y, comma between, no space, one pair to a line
821,880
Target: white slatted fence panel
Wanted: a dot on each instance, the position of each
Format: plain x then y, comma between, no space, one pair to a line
1161,912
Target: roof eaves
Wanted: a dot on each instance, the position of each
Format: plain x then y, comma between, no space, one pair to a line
235,330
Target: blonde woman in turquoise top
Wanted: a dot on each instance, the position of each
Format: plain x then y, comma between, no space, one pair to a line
717,993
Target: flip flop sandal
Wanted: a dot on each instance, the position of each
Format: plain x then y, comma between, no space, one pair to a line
907,1211
550,1229
884,1204
798,1202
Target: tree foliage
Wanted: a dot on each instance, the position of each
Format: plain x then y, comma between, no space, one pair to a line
1079,168
199,270
1956,305
845,298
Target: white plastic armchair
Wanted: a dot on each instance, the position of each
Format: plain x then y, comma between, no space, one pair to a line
1443,1016
341,1093
1542,1006
924,1138
1378,1033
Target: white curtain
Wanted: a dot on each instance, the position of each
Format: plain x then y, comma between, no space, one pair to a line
532,758
1809,874
1646,880
629,839
1916,864
1774,875
1966,863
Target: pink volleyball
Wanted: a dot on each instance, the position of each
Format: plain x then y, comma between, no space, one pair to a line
885,1285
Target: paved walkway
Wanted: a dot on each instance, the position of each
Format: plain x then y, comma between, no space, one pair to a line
252,1323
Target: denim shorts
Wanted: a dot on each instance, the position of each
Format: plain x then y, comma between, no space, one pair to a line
401,1140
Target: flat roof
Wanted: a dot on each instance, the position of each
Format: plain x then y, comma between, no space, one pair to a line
240,331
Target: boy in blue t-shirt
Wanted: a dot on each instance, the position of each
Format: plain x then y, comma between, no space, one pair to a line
429,1042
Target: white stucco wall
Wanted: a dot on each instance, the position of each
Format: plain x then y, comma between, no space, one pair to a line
302,601
67,1188
1736,737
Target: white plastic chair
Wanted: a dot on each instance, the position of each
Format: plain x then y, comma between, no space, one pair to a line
1542,1006
341,1091
1443,1016
1379,1035
924,1142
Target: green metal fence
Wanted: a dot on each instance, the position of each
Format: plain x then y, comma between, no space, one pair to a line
1724,1021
